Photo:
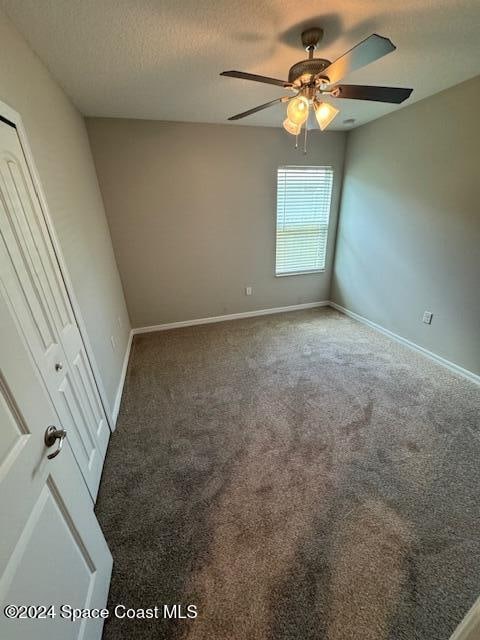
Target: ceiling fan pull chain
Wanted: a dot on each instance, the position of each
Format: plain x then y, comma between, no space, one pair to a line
305,140
296,141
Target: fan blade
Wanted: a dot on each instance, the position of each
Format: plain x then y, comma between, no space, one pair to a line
395,95
252,76
370,49
259,108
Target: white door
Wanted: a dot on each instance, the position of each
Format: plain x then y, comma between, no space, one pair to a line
39,301
52,551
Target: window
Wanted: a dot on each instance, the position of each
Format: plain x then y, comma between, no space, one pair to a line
303,210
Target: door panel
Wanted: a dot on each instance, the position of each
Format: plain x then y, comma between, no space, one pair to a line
52,551
13,429
38,243
69,408
35,289
48,521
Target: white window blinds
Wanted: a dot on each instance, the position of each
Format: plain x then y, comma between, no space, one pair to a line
303,210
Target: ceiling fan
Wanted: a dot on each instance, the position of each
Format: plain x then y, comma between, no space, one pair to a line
314,78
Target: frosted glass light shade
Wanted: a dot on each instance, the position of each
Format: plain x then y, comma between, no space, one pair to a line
325,113
297,110
291,127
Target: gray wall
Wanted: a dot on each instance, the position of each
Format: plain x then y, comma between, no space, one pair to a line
409,231
191,209
59,143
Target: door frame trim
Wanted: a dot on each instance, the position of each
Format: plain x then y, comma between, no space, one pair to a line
15,118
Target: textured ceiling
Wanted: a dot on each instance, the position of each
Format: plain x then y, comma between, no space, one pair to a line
160,59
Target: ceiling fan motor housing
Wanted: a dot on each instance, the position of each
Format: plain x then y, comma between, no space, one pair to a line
310,67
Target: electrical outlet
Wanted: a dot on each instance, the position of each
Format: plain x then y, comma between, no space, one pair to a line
112,340
248,291
427,317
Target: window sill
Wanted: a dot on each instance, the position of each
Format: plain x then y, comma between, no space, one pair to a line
299,273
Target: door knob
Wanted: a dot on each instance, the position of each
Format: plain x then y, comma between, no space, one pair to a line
58,366
51,435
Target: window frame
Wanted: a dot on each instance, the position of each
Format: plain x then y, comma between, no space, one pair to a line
308,271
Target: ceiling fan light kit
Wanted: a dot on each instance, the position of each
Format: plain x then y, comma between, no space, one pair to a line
297,110
324,113
315,78
291,127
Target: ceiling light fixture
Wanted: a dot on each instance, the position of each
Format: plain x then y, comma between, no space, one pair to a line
325,113
291,127
297,110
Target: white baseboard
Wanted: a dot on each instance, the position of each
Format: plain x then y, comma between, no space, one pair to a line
230,316
118,397
469,628
473,377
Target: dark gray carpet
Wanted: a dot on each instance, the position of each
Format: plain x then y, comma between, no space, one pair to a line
294,476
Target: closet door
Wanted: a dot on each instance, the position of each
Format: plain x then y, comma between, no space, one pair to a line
52,550
36,293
